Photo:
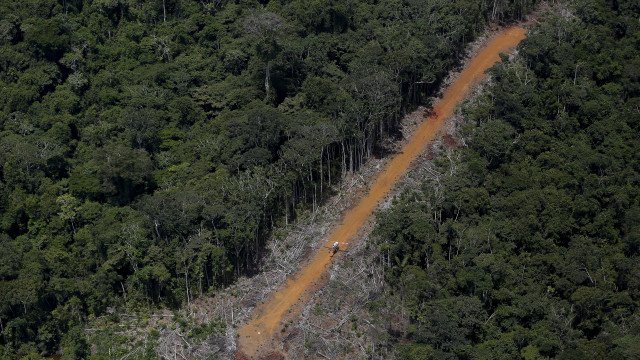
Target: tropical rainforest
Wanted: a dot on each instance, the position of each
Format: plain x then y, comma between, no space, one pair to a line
148,147
525,243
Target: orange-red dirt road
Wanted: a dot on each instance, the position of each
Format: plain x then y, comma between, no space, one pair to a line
257,335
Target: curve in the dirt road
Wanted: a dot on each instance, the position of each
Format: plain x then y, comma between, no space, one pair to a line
257,335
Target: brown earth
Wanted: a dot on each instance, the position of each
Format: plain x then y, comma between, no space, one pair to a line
257,336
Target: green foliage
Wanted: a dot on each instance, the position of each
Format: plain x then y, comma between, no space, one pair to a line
202,332
528,246
148,147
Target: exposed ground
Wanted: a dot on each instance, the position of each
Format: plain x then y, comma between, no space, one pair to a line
260,336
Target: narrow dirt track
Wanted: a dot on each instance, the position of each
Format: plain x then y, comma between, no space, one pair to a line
257,335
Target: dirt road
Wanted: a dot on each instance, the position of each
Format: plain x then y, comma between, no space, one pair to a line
257,335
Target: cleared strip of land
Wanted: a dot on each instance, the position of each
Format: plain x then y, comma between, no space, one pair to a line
257,334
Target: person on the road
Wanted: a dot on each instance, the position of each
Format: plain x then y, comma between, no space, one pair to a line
335,247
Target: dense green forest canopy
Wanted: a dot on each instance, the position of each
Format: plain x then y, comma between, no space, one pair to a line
147,147
528,247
